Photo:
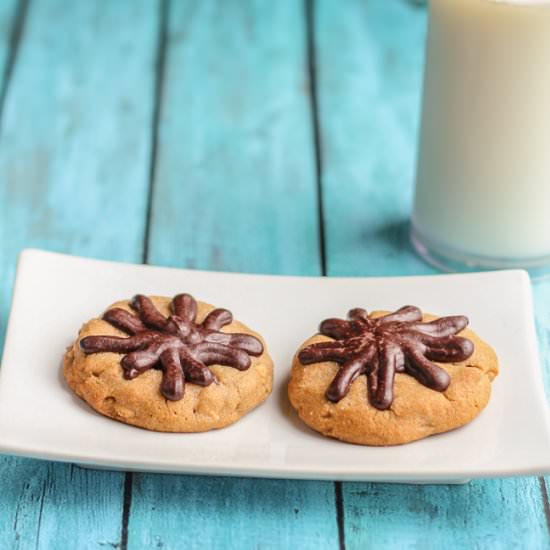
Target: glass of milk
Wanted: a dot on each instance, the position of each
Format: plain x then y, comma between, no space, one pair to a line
483,176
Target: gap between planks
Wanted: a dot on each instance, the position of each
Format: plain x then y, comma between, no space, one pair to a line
17,29
309,11
126,506
543,490
160,64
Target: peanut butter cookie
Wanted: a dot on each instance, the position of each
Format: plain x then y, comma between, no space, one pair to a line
391,378
170,365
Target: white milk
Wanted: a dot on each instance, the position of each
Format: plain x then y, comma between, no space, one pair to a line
483,179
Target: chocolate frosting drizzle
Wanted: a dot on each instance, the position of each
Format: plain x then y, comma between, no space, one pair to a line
380,347
181,347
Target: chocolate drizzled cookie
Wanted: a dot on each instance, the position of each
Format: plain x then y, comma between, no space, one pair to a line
169,364
389,378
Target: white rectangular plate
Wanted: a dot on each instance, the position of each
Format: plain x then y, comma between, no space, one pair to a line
55,294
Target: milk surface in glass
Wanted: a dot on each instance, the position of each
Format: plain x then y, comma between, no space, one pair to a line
483,175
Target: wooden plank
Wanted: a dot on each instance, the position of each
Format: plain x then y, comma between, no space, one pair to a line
236,178
369,62
369,58
74,159
235,190
222,512
48,505
481,514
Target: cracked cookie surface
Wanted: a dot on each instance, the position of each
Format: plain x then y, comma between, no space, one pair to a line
99,379
416,412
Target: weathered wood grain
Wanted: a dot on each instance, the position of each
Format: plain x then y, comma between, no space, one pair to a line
236,177
74,168
220,512
496,514
235,189
369,61
48,505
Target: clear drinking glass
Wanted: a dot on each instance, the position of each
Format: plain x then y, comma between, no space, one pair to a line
483,177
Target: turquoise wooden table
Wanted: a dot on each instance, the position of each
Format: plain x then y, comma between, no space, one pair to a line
268,137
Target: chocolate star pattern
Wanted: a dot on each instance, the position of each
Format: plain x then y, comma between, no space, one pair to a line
378,348
181,347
